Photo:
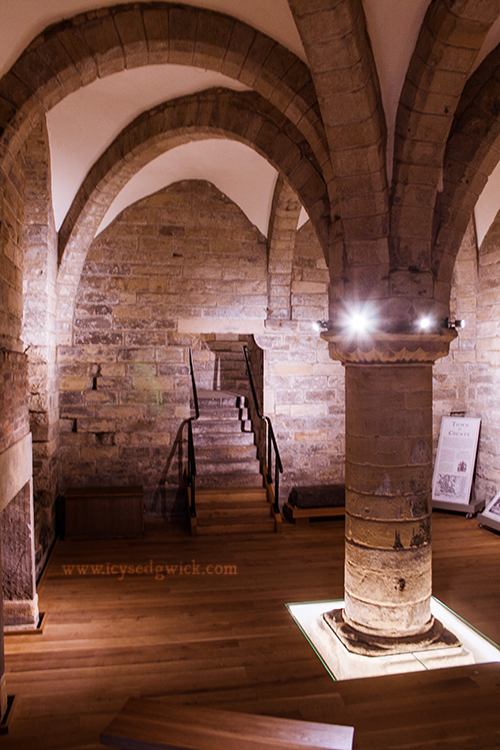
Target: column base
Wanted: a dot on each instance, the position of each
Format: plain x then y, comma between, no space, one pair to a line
437,636
21,614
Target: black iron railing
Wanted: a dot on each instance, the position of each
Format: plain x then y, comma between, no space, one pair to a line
191,467
270,441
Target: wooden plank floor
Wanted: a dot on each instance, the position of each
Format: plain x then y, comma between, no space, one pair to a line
223,638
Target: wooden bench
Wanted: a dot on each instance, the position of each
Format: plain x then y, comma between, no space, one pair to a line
322,501
103,512
158,724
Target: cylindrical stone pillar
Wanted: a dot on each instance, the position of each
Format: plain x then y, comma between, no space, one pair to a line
388,490
388,498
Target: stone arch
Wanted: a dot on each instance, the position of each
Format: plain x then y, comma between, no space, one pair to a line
73,53
449,40
220,112
344,73
285,214
471,155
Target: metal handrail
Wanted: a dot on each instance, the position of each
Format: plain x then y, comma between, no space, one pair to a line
191,470
270,440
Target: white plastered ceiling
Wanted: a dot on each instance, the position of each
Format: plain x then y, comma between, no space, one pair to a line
85,123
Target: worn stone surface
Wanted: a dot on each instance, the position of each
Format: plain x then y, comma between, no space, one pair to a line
18,561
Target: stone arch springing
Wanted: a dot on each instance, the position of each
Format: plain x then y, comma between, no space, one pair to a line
285,214
344,73
450,38
471,155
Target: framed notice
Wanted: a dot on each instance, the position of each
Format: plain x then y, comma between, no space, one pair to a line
491,514
455,461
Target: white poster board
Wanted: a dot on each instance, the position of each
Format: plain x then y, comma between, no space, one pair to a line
455,460
491,514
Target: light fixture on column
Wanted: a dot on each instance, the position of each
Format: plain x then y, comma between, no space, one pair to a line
320,325
425,323
454,323
358,320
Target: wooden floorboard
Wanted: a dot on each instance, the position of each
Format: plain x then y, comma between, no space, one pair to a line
228,641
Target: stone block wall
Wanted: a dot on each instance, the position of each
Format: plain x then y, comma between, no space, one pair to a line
185,268
11,254
468,380
186,253
14,419
303,387
39,336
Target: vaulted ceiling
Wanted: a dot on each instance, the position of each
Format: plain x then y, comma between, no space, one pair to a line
82,125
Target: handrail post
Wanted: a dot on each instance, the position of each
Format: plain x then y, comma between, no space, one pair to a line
270,440
191,454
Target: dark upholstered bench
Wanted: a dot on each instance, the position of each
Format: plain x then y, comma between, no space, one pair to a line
319,501
157,724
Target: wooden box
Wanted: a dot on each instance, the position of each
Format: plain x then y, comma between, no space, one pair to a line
103,512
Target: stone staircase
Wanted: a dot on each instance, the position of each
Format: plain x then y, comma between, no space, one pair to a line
230,495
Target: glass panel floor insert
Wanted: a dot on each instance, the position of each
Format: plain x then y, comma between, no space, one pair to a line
344,665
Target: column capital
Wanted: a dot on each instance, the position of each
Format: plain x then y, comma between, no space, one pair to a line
381,347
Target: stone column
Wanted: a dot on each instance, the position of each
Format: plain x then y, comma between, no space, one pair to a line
388,492
20,600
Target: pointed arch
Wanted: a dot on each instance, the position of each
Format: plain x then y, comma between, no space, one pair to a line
472,153
244,116
450,38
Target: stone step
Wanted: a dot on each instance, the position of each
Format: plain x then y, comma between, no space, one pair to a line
222,413
221,399
226,426
234,510
240,495
227,466
228,479
220,455
209,439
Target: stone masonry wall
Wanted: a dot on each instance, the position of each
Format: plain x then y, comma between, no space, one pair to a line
184,255
303,386
467,381
39,336
14,421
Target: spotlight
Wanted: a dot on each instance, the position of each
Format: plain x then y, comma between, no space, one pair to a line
425,323
454,323
320,325
358,321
